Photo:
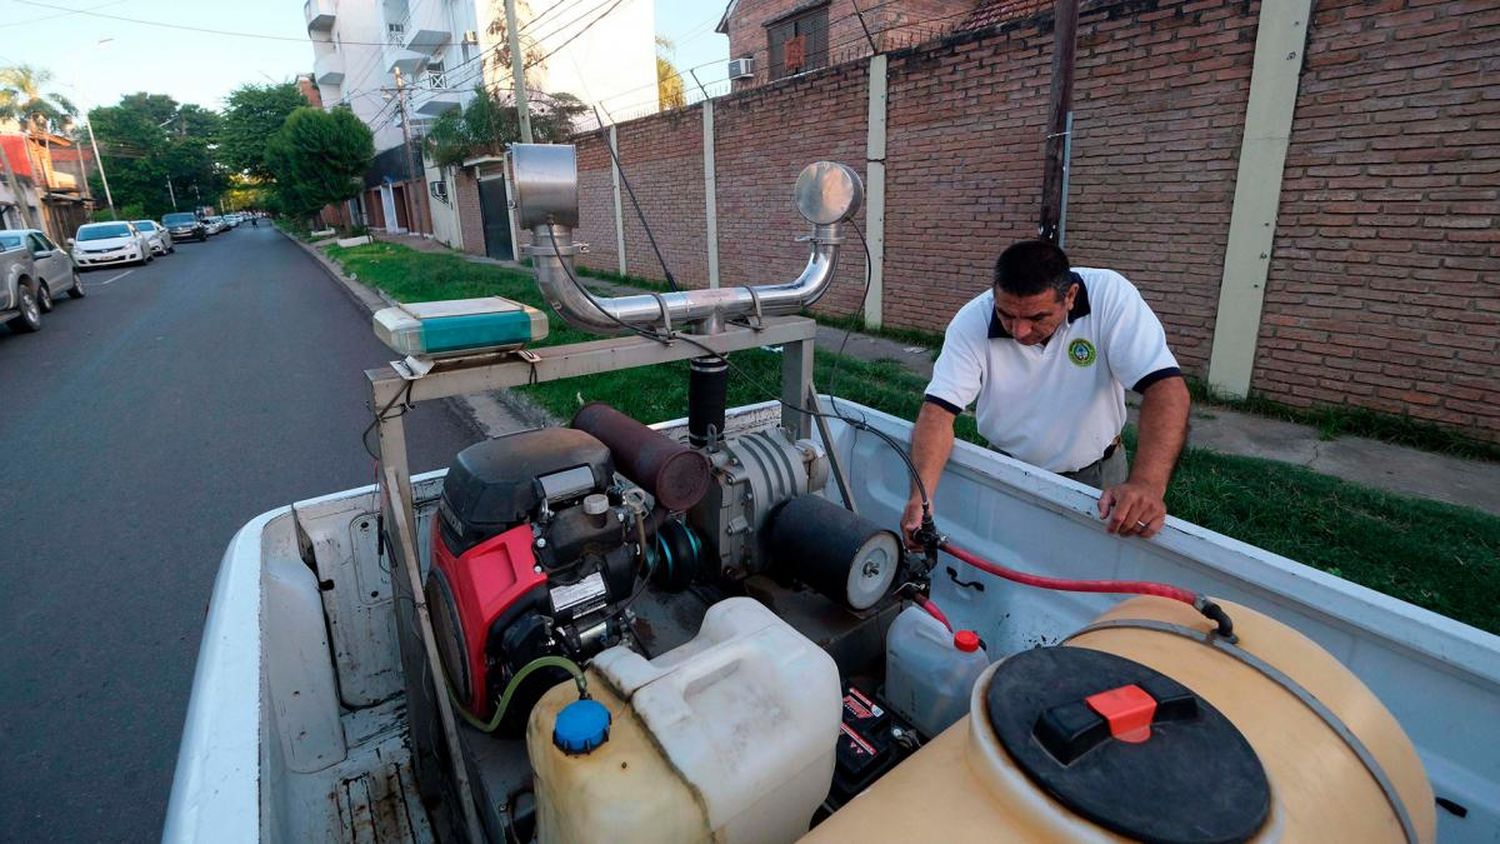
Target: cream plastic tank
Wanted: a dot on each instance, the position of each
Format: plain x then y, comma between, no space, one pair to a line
728,738
1271,745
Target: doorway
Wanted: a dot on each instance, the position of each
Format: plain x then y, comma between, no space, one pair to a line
494,211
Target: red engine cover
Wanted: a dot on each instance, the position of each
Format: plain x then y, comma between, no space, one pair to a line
480,585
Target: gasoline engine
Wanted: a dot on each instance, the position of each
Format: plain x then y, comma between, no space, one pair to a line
539,544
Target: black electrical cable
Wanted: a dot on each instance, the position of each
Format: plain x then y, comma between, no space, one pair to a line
382,416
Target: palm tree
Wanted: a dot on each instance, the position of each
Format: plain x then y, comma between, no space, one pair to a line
23,101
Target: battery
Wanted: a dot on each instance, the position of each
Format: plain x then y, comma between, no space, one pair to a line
871,741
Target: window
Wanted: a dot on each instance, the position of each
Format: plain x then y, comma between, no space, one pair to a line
798,42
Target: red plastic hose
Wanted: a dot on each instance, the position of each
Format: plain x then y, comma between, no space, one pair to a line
1137,587
932,609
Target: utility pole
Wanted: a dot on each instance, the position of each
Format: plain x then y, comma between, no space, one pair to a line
518,70
172,193
1059,120
417,176
15,189
99,162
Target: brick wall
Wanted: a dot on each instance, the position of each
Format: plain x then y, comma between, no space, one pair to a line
1159,111
596,204
663,159
763,139
464,192
1384,288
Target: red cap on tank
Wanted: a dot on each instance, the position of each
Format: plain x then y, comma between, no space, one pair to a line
966,641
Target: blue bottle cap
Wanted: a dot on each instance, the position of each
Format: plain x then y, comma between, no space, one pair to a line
581,726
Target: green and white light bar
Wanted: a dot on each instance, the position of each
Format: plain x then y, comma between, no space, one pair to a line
459,326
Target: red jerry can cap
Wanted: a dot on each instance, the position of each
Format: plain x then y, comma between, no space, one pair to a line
966,641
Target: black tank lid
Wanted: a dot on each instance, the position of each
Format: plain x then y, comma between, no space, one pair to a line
1127,747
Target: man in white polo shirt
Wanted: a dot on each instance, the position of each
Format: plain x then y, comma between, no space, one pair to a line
1047,354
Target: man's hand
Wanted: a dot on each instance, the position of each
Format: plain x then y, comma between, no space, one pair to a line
911,520
1131,509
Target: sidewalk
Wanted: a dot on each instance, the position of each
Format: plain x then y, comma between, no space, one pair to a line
1372,463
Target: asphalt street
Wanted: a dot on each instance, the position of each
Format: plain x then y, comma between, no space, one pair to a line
140,428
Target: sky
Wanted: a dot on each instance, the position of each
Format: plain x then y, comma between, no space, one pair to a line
95,60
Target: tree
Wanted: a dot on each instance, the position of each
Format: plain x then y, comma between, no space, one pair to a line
253,115
157,150
318,157
669,93
22,100
489,123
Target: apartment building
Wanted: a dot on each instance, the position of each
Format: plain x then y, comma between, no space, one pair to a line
436,52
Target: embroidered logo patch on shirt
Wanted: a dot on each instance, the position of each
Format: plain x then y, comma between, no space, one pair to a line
1081,352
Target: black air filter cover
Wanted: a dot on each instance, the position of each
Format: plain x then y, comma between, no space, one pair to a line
495,485
1195,780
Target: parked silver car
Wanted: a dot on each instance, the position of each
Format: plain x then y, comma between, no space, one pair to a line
32,270
157,237
101,244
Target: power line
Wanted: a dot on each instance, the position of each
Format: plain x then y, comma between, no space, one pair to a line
186,28
62,15
575,35
556,30
561,4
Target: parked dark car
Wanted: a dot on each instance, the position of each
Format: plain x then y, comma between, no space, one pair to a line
185,225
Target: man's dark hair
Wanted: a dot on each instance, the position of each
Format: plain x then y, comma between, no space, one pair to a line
1031,267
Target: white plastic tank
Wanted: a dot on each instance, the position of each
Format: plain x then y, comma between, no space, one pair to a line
728,738
929,671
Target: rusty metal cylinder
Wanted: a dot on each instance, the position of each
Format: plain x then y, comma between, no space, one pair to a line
675,475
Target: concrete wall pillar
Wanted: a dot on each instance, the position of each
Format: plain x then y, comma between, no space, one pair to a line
614,169
875,191
1280,39
710,194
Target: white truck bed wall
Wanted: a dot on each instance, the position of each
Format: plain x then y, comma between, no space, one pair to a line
295,728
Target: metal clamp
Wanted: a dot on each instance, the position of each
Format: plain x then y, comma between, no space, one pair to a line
758,324
666,312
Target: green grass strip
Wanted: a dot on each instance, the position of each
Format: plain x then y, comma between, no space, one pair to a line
1434,555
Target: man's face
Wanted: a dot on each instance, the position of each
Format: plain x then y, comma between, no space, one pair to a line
1032,319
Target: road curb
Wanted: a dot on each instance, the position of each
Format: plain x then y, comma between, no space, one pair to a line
496,414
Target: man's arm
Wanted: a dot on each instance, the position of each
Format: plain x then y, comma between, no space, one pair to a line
1136,506
931,445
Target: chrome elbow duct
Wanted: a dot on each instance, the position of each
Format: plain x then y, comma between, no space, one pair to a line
827,194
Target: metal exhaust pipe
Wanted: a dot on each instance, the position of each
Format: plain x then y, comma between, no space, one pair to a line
827,194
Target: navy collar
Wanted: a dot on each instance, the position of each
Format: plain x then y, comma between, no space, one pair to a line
1079,310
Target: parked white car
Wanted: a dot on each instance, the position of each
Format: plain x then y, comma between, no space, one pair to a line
102,244
215,224
157,237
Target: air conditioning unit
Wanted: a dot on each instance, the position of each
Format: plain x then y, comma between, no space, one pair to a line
742,68
440,189
471,37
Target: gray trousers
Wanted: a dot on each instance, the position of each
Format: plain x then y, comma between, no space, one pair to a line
1105,473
